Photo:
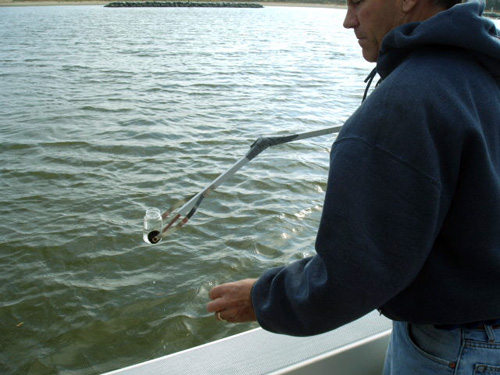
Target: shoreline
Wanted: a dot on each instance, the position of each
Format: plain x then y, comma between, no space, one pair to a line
318,4
17,3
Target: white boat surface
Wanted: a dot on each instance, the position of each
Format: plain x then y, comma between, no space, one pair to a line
357,348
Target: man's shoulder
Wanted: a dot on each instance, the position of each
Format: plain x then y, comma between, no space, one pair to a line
436,77
432,67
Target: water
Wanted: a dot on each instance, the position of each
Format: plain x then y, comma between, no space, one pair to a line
105,112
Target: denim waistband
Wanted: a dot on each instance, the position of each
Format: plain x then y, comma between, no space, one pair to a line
494,323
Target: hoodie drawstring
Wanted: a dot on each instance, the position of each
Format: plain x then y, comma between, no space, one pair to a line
369,79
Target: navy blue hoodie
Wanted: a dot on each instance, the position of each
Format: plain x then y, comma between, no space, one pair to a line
411,218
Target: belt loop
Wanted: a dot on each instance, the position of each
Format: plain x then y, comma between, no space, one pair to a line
490,333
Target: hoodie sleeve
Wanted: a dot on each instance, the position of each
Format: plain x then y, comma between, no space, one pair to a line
377,228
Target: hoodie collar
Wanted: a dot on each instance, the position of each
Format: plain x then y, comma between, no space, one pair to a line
461,26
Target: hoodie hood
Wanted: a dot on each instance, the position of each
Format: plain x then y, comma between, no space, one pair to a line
460,27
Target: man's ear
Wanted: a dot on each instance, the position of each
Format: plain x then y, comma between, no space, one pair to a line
408,5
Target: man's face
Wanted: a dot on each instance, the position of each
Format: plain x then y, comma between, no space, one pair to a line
371,21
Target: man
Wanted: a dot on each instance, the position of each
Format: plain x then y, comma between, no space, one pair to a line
411,219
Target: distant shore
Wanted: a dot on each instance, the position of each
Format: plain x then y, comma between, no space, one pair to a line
290,3
7,3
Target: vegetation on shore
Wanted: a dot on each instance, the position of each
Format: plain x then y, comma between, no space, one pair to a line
492,6
178,4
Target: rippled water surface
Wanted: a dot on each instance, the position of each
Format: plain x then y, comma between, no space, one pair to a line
105,112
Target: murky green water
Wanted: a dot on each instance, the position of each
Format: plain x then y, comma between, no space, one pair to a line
105,112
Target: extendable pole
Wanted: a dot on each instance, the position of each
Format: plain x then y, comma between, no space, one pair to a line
261,144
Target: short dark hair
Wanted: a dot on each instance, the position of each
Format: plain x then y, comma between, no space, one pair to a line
446,4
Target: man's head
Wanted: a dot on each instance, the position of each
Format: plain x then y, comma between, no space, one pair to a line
373,19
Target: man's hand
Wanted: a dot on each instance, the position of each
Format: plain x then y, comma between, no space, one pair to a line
232,302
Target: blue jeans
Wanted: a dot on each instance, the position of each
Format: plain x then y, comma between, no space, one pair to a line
427,350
